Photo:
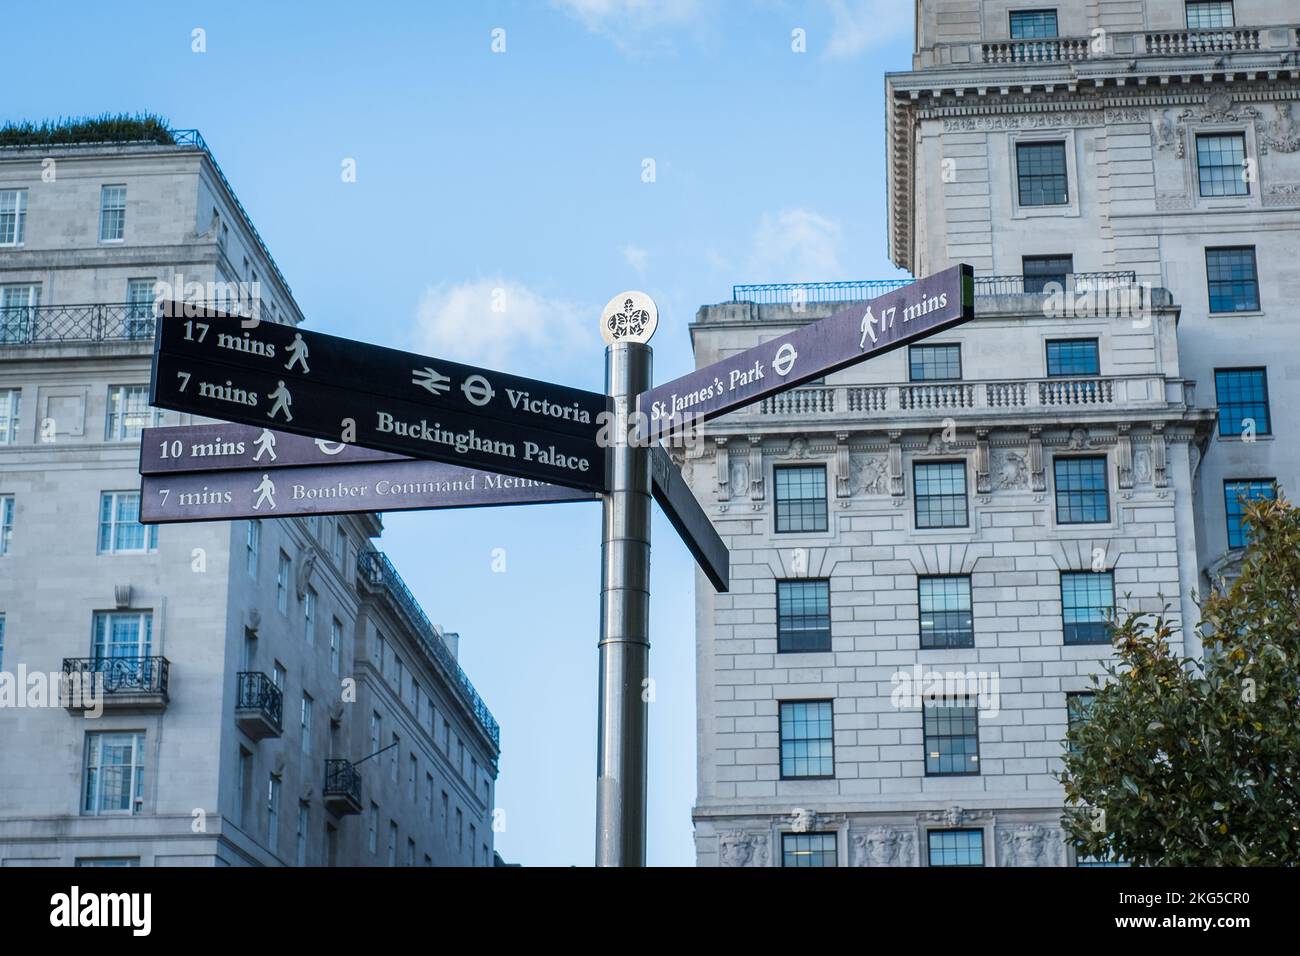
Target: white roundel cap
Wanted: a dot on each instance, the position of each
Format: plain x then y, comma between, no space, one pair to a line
629,317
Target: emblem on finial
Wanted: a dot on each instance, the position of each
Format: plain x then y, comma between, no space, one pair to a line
629,317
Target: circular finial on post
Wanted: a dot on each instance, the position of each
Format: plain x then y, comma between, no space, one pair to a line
629,317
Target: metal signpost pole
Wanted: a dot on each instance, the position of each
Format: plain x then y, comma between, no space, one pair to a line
622,731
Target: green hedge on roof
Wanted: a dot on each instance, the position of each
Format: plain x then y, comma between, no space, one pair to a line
123,128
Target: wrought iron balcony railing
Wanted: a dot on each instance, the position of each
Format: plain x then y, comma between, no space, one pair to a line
342,779
122,675
99,322
769,293
375,568
257,692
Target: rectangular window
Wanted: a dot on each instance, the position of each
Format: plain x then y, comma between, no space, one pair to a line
803,616
1072,357
10,403
807,739
952,738
309,615
305,721
282,584
112,213
1033,24
946,618
1233,282
336,645
300,843
1081,493
114,778
1077,707
1209,14
392,757
18,304
1236,495
392,843
412,770
934,363
460,756
410,852
108,861
120,530
122,635
1242,396
940,494
278,675
6,523
446,738
376,732
140,308
444,813
1041,174
1087,604
808,849
13,216
1041,271
273,813
956,847
253,547
800,499
372,834
241,788
1221,164
460,831
128,412
340,546
428,795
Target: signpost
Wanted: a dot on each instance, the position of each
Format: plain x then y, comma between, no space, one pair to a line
851,335
323,425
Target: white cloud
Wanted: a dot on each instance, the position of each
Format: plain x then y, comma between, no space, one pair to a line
858,25
505,325
628,22
795,245
636,257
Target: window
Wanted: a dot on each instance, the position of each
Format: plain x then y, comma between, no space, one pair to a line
392,843
1077,707
112,213
460,756
300,844
340,546
803,616
473,773
1233,283
282,584
122,635
241,790
18,304
253,546
956,847
114,781
305,720
6,523
309,615
392,757
108,861
1221,164
940,494
372,835
1209,14
460,831
273,813
410,852
13,216
444,812
808,849
428,795
1040,271
933,363
1236,495
1067,357
800,499
807,739
1041,174
1033,24
278,675
10,402
336,644
946,619
952,738
120,530
1242,395
1087,603
376,732
1081,495
412,769
446,738
139,308
473,838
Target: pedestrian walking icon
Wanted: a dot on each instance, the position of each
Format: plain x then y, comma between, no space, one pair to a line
297,354
265,443
282,400
265,494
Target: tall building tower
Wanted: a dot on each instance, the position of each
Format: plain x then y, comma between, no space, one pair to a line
272,692
926,546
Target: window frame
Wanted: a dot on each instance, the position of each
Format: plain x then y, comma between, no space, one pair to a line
781,739
1030,12
1073,714
1106,620
929,847
11,401
1228,514
1201,168
1047,356
1057,462
825,836
19,213
781,637
778,512
1219,403
918,464
7,509
920,611
135,787
932,346
1187,13
1038,144
941,703
1210,283
104,209
116,524
1026,275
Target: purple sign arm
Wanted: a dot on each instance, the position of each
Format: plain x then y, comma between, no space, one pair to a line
223,446
851,335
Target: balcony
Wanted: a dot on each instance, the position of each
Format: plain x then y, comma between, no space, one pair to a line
55,324
342,790
259,706
802,293
374,569
134,684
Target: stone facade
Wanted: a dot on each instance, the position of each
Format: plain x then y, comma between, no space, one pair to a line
337,631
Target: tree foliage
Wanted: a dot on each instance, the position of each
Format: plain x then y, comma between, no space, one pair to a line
1185,762
107,128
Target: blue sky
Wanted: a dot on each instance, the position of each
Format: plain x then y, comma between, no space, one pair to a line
520,171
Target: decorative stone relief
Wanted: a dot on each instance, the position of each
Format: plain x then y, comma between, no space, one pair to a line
954,816
1037,477
722,461
1124,457
305,568
1010,470
798,447
1079,439
742,849
1142,466
1030,845
1055,120
756,467
883,846
1282,194
896,465
1159,455
869,475
1282,133
843,469
803,821
1166,133
982,461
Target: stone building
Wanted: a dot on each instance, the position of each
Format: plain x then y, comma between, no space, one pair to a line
1125,179
251,669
